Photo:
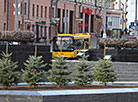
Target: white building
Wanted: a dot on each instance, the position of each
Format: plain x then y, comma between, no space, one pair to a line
131,11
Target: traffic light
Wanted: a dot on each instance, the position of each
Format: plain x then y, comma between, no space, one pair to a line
98,16
56,23
42,22
53,23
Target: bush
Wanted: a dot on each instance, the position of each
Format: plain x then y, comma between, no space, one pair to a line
34,70
83,73
103,72
59,72
8,73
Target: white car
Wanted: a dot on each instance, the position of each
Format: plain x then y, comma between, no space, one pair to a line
82,52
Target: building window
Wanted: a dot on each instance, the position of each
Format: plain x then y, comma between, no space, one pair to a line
21,10
81,28
37,12
25,7
33,10
33,28
63,15
4,6
71,22
53,11
45,12
41,31
19,24
50,12
92,22
86,22
4,26
41,11
45,32
49,32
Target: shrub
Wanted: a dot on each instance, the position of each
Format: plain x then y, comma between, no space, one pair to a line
8,73
34,70
59,72
103,72
83,73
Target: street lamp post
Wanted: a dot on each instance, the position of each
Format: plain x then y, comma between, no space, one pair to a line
29,9
75,17
8,15
56,15
96,17
23,15
51,15
16,14
122,16
136,13
65,18
104,34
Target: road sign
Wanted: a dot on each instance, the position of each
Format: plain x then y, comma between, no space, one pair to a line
18,13
54,3
65,19
106,25
18,5
132,23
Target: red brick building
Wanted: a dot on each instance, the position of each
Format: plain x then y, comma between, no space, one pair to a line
40,12
3,15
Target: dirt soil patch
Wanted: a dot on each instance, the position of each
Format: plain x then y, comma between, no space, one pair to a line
69,87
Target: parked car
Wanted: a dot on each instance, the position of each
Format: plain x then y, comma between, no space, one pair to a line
82,52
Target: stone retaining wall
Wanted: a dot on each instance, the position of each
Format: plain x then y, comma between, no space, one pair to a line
90,95
127,71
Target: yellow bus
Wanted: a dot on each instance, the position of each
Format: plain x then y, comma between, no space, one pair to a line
71,45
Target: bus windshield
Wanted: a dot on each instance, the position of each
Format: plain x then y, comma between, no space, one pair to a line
63,43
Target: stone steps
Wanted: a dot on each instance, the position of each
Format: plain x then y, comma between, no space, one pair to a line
127,74
127,79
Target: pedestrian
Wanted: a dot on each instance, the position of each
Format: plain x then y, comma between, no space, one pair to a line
126,30
102,33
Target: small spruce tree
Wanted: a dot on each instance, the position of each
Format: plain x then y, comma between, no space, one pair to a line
59,72
83,74
34,70
103,72
8,73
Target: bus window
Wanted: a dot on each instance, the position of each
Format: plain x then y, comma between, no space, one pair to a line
81,43
63,43
86,43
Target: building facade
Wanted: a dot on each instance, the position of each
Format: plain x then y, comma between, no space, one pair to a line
82,16
3,15
131,16
122,5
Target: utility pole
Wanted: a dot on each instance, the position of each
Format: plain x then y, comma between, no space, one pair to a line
80,13
120,4
96,17
65,18
136,13
8,15
29,9
16,15
56,15
23,15
123,16
51,19
75,17
104,34
51,46
122,9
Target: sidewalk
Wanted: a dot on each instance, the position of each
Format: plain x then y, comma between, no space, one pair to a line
125,83
133,83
